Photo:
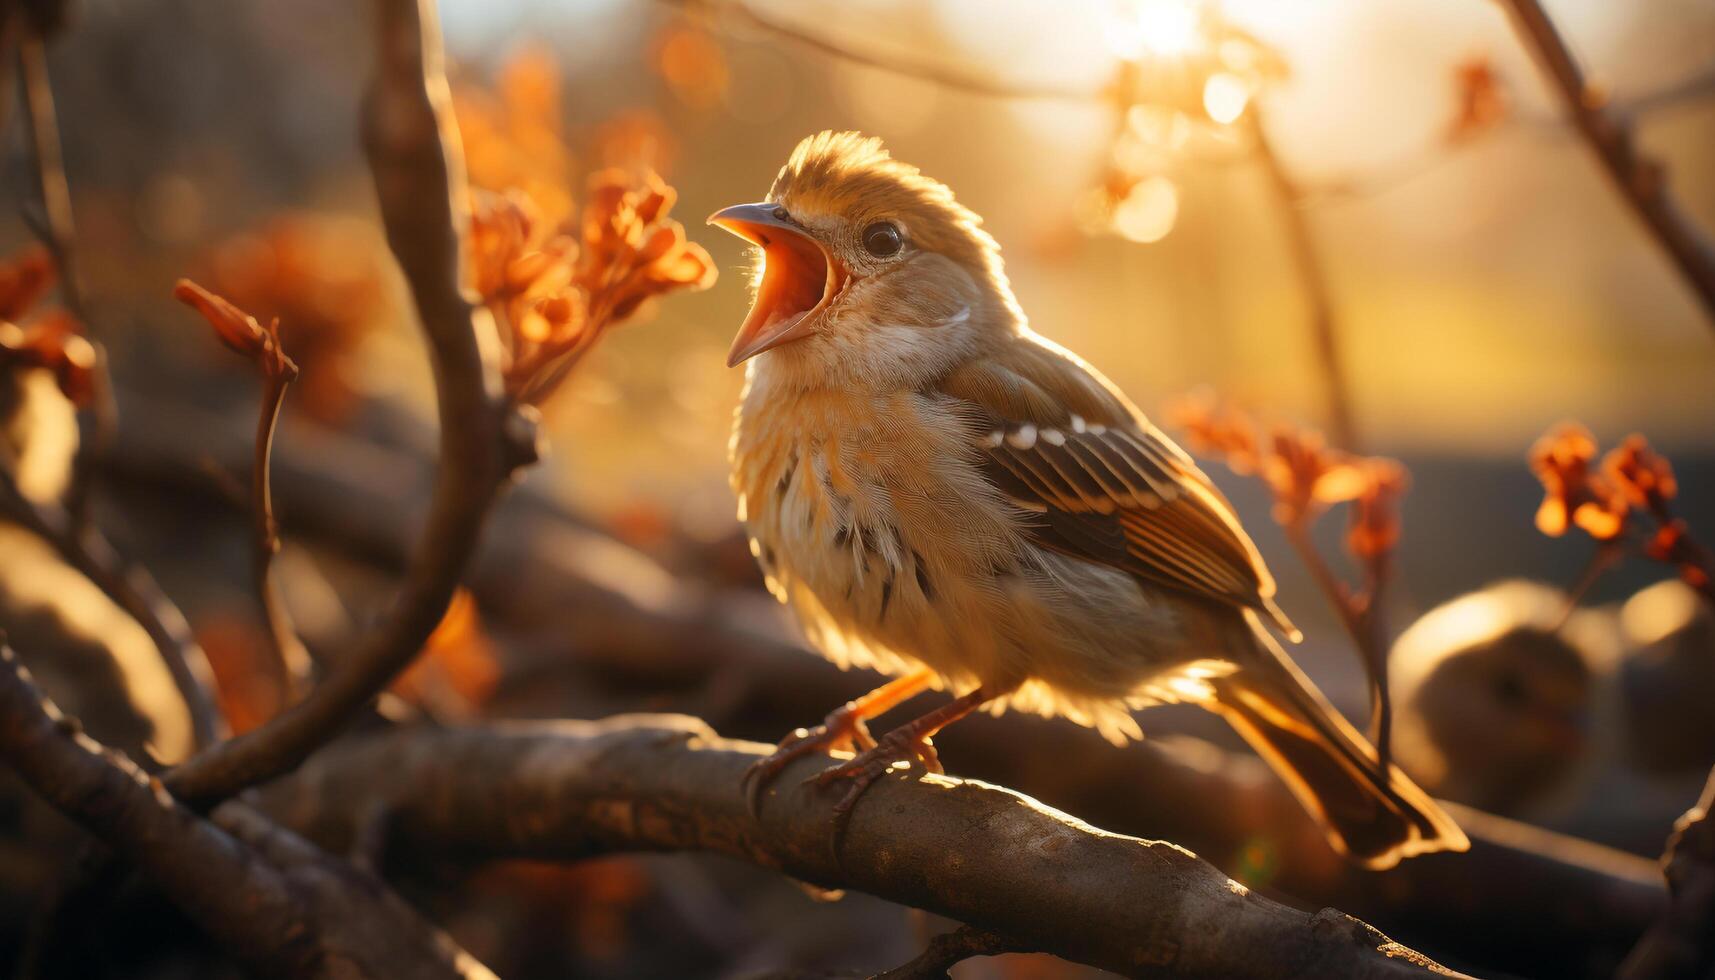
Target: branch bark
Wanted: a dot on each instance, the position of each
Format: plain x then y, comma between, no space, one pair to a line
413,148
1640,180
1525,899
269,898
983,855
1682,943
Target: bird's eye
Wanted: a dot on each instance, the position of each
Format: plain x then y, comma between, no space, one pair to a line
882,239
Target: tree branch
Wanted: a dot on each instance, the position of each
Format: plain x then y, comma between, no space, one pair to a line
269,898
413,147
622,623
1682,943
1640,180
983,855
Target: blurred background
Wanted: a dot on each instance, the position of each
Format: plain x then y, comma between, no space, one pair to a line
1484,280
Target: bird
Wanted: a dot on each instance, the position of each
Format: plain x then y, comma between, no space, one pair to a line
1499,695
943,495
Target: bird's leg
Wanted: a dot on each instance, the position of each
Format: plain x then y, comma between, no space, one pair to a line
910,741
842,729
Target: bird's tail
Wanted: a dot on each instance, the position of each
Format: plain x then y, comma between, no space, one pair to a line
1375,819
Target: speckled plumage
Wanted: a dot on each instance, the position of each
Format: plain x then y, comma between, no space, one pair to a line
928,482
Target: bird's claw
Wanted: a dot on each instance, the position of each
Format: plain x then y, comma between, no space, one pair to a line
900,745
841,730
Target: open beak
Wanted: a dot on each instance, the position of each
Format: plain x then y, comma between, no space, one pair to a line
799,278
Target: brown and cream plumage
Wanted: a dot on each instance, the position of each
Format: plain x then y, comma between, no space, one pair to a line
943,495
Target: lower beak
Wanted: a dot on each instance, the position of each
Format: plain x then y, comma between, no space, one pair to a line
799,278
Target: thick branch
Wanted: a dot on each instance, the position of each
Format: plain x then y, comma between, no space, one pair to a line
1640,180
986,856
1682,943
269,898
1524,898
419,180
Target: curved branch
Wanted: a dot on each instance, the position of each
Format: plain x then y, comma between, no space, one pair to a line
268,897
1639,179
983,855
412,143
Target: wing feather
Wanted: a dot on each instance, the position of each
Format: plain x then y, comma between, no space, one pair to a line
1100,482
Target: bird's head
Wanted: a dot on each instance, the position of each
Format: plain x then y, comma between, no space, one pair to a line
865,268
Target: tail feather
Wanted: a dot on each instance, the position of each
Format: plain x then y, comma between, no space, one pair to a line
1377,820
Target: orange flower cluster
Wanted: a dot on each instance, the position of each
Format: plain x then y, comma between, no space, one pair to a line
1576,493
1632,480
239,330
1303,473
555,295
52,340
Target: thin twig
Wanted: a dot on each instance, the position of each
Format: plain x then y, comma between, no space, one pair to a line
55,226
58,230
290,656
924,70
413,147
1360,615
1639,179
1313,281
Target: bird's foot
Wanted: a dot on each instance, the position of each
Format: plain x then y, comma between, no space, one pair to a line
904,744
842,730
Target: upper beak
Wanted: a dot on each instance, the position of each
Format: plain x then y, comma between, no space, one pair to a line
799,278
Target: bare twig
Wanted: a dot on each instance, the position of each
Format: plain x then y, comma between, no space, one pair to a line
289,652
1360,615
56,228
1313,281
269,898
1640,180
413,147
1035,875
132,590
924,70
1682,943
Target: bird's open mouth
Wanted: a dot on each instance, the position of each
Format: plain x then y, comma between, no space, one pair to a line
799,278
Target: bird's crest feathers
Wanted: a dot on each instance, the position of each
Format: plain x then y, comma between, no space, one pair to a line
853,176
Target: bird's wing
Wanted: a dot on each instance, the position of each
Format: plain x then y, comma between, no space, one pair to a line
1102,483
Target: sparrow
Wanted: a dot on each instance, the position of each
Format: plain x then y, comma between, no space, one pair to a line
946,497
1499,695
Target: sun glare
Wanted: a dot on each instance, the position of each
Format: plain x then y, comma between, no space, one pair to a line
1225,96
1157,27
